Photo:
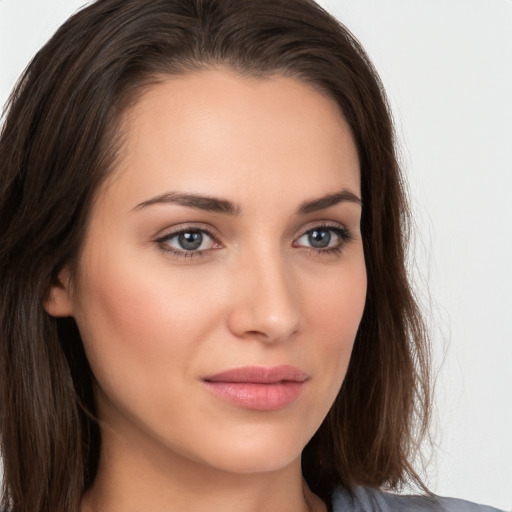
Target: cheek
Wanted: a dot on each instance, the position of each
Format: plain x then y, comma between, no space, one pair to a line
336,299
136,305
141,336
135,325
334,313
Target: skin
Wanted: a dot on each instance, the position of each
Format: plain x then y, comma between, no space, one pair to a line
155,323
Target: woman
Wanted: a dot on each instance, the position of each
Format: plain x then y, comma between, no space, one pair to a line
204,301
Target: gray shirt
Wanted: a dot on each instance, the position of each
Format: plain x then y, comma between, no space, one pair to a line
371,500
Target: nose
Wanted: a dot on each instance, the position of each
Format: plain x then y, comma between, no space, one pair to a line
265,304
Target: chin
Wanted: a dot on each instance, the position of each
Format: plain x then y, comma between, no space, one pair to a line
259,451
246,463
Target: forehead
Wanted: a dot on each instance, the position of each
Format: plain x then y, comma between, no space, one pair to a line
215,131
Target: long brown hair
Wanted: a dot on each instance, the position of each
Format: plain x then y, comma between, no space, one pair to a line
58,142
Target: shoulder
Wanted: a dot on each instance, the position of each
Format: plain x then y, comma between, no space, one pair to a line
364,499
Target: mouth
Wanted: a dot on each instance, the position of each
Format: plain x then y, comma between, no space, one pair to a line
258,388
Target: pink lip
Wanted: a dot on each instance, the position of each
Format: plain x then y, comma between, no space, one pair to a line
257,387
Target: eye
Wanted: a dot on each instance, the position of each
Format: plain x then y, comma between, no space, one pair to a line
324,238
188,242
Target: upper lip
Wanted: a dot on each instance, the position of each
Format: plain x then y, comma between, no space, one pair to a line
260,375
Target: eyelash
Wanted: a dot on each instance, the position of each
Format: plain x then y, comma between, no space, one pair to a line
184,253
340,231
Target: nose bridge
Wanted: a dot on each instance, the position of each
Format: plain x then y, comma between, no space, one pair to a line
266,302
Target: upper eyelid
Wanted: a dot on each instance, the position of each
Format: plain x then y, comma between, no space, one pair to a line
170,232
344,233
183,253
323,224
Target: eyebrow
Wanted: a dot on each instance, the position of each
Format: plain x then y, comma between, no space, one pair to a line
217,205
206,203
327,201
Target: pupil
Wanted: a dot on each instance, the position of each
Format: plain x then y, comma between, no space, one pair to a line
319,238
190,240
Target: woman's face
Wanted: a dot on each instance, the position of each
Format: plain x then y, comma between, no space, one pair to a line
227,238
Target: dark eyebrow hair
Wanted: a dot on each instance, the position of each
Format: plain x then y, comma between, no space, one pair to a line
216,205
328,201
210,204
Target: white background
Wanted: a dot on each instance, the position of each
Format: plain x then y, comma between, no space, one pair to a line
447,67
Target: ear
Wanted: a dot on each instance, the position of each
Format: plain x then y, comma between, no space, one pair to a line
58,301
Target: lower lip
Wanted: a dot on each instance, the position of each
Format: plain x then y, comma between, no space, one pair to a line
256,396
